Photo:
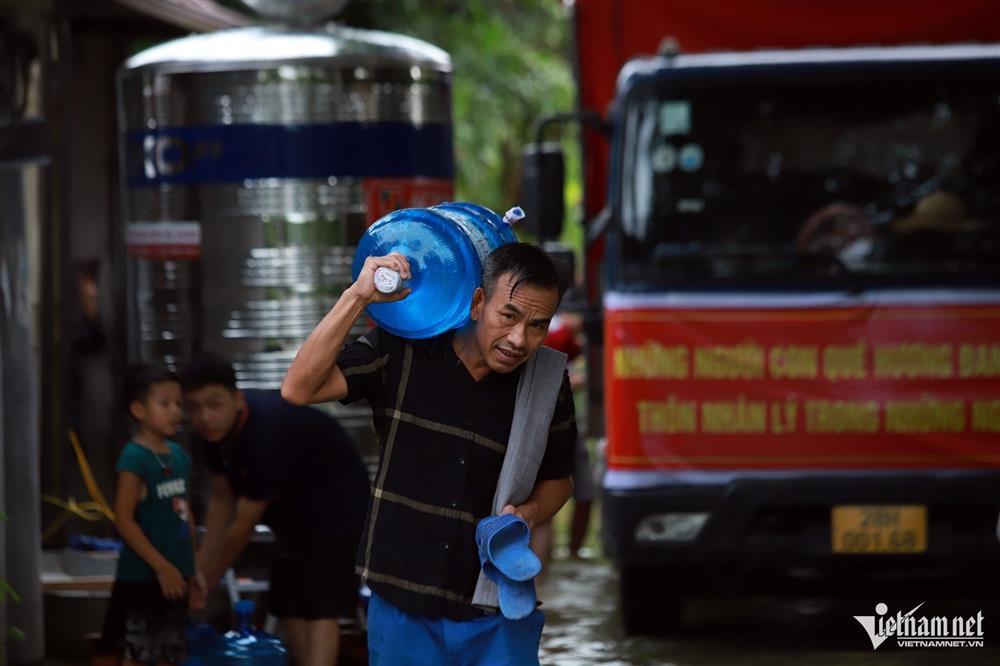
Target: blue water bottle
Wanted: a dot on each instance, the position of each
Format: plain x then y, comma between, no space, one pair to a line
246,646
204,645
446,246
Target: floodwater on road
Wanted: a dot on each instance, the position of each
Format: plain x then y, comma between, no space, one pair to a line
583,628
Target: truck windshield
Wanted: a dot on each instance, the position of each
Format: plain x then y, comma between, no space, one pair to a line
882,178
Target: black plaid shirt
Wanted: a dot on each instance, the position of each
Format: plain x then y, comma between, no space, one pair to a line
443,437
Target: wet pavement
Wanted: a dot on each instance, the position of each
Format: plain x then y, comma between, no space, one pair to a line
583,628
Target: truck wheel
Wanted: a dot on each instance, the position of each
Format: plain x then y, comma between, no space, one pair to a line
651,604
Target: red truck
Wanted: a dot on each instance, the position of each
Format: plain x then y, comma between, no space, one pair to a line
793,275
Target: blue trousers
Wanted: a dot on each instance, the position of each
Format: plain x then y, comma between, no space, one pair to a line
397,638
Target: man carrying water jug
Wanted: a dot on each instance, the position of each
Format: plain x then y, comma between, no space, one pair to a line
457,417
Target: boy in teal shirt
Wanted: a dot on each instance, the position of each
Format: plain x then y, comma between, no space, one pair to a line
156,577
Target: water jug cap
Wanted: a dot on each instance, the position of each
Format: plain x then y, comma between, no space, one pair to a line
515,214
386,280
245,607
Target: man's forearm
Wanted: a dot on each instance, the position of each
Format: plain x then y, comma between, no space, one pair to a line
193,531
218,518
315,362
235,540
545,501
210,550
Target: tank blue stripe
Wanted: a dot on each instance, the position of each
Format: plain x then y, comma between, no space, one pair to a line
233,153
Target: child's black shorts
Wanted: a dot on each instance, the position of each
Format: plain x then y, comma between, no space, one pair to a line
143,624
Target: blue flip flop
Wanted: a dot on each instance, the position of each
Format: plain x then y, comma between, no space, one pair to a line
516,598
505,542
509,562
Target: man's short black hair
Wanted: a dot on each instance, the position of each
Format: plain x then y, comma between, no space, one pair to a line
526,264
205,369
139,381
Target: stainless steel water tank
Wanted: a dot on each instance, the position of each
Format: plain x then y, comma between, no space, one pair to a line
253,160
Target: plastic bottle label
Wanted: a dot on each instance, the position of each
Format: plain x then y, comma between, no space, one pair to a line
479,240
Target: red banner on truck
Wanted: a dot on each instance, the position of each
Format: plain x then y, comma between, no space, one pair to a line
800,385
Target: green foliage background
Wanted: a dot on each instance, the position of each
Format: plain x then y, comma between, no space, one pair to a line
511,68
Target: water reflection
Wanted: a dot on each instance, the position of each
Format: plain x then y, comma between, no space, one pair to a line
583,628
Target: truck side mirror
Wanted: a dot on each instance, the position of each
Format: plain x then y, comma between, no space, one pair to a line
543,174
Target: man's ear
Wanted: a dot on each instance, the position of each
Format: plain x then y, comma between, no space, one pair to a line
478,303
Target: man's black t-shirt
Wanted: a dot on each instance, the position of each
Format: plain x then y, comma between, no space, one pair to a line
303,460
444,438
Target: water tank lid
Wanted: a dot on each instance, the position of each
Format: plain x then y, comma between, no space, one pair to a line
301,11
267,44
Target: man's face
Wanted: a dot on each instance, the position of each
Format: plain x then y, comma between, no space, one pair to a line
509,327
213,410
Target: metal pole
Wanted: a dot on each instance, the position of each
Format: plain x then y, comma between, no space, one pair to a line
3,485
23,547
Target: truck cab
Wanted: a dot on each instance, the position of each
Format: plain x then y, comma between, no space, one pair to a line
800,286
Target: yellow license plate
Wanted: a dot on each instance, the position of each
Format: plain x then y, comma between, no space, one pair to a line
879,528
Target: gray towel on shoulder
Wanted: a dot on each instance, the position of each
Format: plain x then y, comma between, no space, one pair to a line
534,406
